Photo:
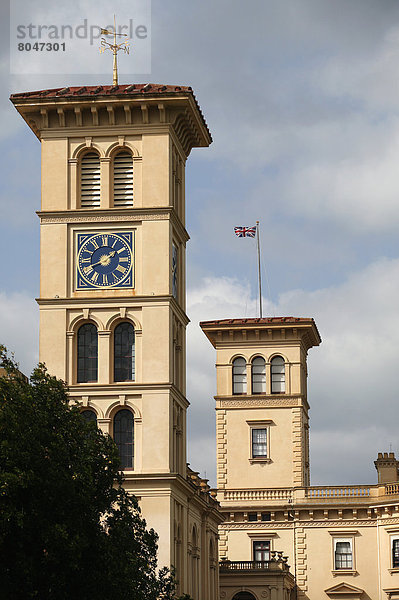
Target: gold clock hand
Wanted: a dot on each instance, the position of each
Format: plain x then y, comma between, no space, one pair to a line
105,259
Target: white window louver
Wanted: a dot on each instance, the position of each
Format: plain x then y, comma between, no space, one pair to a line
123,179
90,181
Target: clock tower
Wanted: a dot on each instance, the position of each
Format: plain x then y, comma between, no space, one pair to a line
112,291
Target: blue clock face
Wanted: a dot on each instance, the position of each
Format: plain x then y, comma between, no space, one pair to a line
104,260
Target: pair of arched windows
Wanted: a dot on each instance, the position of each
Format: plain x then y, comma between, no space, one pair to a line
123,355
90,180
123,434
258,375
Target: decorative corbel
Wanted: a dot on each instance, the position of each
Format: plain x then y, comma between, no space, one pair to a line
78,116
94,114
61,117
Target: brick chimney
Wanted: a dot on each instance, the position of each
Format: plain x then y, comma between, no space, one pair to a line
387,467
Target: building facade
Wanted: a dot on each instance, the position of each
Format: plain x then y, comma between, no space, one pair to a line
112,292
341,542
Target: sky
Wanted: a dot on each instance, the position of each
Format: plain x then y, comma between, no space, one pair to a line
302,100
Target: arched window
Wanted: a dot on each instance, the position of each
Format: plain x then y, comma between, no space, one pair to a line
278,375
239,376
87,353
123,179
124,438
90,180
89,416
258,375
124,352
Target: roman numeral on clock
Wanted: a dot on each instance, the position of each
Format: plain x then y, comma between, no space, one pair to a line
105,240
94,277
120,269
96,246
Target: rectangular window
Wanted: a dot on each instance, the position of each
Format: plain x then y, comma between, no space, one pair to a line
252,517
259,443
261,550
395,553
343,554
266,516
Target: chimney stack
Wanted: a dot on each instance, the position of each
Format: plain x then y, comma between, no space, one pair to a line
387,467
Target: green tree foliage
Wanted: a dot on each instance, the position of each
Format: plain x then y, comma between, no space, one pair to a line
67,527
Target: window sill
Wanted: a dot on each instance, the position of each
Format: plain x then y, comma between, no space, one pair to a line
260,460
394,570
344,572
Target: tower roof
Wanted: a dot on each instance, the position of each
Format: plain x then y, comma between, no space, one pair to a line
171,100
307,326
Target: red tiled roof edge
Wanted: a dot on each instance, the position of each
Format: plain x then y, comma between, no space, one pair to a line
103,90
257,320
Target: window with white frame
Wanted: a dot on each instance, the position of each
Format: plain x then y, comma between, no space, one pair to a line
261,550
258,372
277,375
395,552
239,376
343,554
90,180
259,442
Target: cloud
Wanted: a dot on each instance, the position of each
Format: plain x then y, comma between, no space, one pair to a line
19,328
352,376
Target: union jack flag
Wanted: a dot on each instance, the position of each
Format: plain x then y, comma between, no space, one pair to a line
245,231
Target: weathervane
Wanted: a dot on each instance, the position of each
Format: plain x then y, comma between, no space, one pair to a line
114,47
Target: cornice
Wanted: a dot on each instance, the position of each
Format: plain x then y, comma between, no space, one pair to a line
133,388
63,115
304,332
211,506
291,401
111,215
118,301
290,524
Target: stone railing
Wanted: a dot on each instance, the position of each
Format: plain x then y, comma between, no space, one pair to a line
391,488
323,494
277,561
331,492
243,565
284,494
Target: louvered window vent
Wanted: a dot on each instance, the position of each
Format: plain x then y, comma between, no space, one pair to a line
123,179
90,181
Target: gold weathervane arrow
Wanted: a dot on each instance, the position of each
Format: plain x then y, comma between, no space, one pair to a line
114,47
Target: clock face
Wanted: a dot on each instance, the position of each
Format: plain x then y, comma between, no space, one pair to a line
104,260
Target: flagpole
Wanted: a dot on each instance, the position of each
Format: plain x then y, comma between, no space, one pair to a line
259,270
